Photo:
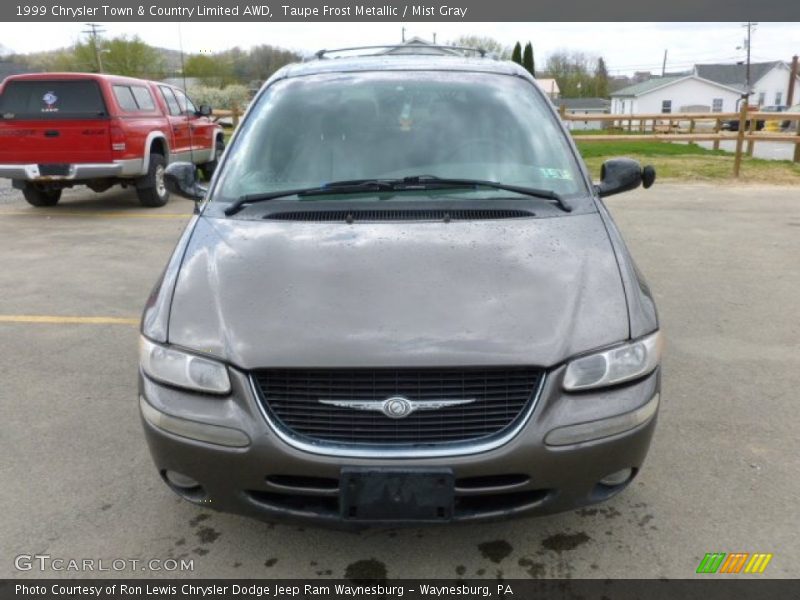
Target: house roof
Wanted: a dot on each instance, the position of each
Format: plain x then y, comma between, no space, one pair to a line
418,45
637,89
735,75
658,82
584,103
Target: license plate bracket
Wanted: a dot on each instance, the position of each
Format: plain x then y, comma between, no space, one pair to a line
396,494
54,170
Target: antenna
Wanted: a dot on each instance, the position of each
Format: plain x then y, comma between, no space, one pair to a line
94,31
186,93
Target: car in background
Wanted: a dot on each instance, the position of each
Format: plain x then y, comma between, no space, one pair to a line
59,130
791,125
733,124
402,299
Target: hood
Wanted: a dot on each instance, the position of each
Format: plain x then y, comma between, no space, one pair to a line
536,291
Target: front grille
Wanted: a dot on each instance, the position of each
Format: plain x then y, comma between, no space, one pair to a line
383,215
501,397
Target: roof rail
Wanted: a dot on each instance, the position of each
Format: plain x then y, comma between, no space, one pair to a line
321,53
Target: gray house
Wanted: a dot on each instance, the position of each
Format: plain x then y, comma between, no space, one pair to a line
584,106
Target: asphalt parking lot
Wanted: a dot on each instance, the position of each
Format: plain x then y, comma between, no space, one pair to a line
76,479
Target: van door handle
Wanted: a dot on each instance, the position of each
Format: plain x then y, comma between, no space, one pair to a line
51,133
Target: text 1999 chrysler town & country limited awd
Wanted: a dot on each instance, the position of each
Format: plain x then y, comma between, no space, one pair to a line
401,300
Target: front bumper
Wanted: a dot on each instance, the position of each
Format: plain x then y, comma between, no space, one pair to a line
272,480
82,171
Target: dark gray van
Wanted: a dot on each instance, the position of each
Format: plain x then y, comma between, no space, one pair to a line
401,299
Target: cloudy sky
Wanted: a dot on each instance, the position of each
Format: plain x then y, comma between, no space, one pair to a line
627,47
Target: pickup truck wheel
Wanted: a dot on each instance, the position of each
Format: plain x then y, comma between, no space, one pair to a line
41,197
209,167
151,189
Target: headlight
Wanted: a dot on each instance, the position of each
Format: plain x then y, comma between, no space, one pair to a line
614,365
182,369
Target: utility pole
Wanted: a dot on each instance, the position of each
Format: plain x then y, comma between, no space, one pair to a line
403,35
94,31
792,82
750,28
434,38
664,65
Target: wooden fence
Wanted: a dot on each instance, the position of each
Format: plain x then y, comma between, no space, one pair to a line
223,113
675,127
694,127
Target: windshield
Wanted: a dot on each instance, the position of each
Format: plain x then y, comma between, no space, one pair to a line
308,131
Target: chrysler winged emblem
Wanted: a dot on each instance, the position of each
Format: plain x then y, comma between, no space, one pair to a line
397,407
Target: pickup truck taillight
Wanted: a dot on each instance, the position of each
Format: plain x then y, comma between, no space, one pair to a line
117,138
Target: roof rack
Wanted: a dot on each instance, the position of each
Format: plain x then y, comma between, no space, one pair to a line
321,53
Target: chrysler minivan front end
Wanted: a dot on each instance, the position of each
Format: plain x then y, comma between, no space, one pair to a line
401,300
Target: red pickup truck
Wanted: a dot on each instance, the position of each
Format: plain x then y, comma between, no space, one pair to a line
58,130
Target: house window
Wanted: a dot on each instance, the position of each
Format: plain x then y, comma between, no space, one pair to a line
778,98
666,106
623,107
716,105
762,96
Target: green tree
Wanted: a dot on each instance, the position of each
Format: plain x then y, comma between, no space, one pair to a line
527,59
573,71
516,54
120,56
486,43
601,79
131,57
213,70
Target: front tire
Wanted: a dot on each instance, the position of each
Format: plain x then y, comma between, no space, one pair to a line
40,197
211,166
150,189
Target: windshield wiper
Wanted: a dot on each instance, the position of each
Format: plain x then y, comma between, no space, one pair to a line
417,182
355,186
432,182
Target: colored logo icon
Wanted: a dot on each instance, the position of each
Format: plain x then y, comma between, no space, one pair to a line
735,562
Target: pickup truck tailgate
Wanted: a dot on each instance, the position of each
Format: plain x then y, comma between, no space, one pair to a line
59,121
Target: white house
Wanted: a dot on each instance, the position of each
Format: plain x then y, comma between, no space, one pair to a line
675,94
708,88
769,81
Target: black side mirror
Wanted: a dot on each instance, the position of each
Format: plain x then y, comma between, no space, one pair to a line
180,178
205,111
619,175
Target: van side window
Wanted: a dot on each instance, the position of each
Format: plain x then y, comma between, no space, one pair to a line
143,97
125,98
172,102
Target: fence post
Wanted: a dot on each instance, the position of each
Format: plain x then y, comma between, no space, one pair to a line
737,159
235,115
562,110
717,129
797,144
691,125
751,143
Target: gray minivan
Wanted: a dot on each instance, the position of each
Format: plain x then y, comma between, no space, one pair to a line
401,299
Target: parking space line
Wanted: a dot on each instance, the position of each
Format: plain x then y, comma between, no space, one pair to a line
61,320
95,215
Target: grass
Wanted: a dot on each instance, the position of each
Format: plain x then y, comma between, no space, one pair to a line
690,162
